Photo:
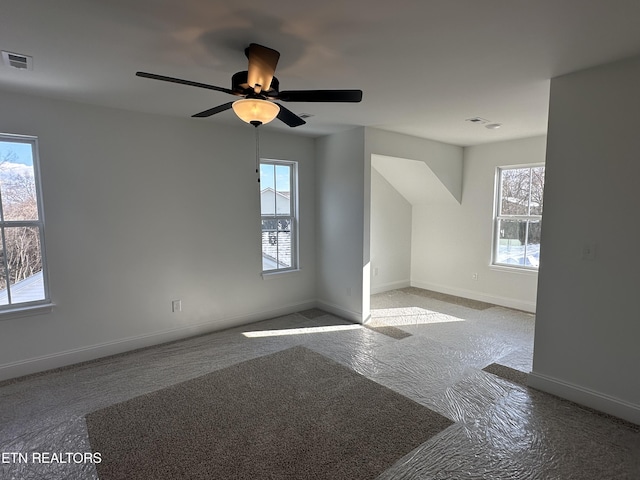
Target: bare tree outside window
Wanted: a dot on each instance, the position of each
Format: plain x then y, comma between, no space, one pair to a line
519,206
21,252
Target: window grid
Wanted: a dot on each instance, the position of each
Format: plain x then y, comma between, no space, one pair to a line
518,216
23,279
278,181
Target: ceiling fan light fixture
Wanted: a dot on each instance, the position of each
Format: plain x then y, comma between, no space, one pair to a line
255,110
260,88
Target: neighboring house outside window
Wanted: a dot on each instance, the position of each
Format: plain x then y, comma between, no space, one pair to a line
278,206
518,216
23,279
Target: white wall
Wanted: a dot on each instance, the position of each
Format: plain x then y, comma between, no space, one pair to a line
451,242
343,176
588,325
141,210
390,236
444,160
340,203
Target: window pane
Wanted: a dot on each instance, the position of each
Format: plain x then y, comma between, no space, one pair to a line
267,189
267,175
267,202
283,178
283,190
277,196
514,191
4,296
537,190
511,248
24,260
17,182
533,244
269,244
276,243
284,242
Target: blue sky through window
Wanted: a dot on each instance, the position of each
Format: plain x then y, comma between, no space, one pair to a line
272,176
16,152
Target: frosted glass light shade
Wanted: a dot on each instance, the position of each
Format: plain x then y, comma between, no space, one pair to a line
255,110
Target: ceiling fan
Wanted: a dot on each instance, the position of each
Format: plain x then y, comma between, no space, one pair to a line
259,88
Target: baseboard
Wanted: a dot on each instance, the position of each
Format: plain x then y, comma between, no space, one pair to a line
480,296
93,352
385,287
585,396
339,311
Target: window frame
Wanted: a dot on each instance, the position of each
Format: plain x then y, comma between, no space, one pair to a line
497,217
17,309
293,216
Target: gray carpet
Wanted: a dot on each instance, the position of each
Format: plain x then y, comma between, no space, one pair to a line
294,414
313,313
515,376
389,331
443,297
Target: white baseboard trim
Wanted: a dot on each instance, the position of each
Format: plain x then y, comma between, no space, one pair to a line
339,311
385,287
585,396
93,352
480,296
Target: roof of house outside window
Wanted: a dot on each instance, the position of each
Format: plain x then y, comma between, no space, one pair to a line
30,289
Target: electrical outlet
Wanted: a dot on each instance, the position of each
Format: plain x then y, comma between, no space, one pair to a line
474,276
588,251
176,306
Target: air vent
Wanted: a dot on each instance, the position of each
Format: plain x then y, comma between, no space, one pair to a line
17,60
478,120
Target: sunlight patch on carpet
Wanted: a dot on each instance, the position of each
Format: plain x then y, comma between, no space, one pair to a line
300,331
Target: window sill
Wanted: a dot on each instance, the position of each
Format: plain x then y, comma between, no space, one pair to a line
276,274
516,270
26,311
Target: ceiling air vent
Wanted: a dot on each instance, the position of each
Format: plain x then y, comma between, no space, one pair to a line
478,120
17,60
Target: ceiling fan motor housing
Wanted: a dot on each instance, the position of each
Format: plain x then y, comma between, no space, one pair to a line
240,86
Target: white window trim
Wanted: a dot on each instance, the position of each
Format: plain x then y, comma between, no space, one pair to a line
45,305
520,270
295,260
27,311
271,274
523,269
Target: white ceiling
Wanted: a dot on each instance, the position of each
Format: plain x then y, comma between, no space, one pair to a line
424,66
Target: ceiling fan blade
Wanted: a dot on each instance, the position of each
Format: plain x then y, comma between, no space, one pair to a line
262,66
213,111
352,96
287,116
153,76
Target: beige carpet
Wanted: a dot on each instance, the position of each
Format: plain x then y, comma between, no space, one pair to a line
291,415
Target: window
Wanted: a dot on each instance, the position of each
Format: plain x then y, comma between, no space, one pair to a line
23,281
278,180
518,215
